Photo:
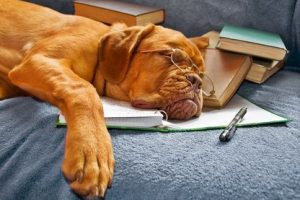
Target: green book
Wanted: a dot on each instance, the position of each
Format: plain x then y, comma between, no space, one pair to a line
120,115
252,42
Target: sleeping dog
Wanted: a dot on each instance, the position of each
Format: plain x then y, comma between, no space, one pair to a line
70,61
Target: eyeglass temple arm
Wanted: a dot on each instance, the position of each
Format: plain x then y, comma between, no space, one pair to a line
212,92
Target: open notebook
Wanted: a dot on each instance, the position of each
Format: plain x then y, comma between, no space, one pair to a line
121,115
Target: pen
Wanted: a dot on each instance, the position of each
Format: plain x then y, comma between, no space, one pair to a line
229,131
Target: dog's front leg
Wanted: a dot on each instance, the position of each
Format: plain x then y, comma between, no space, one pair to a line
88,161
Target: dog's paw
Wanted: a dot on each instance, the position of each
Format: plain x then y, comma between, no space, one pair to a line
89,161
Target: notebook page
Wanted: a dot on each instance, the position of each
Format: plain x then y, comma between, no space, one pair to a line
213,118
114,108
125,116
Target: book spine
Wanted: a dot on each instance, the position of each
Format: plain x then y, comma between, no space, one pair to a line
103,15
156,17
247,48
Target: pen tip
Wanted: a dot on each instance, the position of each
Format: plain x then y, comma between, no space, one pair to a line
222,138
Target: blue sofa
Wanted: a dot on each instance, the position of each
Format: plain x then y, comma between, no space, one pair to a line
258,163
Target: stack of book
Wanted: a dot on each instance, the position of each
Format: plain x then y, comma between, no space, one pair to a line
238,53
267,50
110,11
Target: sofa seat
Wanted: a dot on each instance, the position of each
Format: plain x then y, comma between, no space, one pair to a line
260,162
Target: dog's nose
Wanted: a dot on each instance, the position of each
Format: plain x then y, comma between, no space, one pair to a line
194,80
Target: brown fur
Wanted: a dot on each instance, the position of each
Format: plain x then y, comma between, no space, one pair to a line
69,61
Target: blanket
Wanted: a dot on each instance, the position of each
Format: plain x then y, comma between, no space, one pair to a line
258,163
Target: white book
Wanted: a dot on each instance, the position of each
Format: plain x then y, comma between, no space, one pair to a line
119,114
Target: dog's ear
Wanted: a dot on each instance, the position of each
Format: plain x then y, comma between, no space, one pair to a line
200,42
116,49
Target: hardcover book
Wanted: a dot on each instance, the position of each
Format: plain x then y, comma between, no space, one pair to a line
227,71
110,11
262,69
252,42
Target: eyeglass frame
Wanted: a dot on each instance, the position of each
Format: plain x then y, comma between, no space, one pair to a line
201,74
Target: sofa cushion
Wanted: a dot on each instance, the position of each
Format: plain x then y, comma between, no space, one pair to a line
258,163
295,55
63,6
195,17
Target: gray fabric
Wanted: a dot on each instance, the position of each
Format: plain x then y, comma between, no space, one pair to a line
195,17
295,58
63,6
258,163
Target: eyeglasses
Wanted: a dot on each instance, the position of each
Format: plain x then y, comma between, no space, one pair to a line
182,61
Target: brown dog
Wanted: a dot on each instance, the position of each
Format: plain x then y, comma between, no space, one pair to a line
69,61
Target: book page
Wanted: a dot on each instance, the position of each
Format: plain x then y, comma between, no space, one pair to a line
219,118
119,114
114,108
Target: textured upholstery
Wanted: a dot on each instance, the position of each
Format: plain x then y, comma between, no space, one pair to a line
258,163
195,17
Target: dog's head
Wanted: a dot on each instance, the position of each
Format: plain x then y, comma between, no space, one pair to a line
152,67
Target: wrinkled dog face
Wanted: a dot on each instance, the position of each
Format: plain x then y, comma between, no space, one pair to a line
165,73
167,68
